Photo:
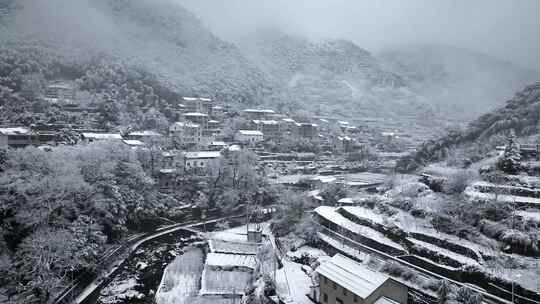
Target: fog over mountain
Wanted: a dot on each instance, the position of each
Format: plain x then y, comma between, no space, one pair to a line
504,29
374,59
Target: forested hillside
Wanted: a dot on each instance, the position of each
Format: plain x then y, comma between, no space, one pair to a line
332,76
61,209
521,115
134,58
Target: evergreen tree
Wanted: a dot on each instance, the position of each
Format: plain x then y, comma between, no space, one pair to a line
443,292
510,162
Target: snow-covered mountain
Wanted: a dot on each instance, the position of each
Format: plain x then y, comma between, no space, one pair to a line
335,77
332,76
159,36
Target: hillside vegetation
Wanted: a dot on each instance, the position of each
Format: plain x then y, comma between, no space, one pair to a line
521,115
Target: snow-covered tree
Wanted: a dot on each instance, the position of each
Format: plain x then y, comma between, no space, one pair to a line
510,162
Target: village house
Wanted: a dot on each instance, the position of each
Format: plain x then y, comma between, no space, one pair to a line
214,128
249,137
217,145
15,137
60,93
270,128
345,281
186,134
288,125
343,144
200,161
197,118
253,114
144,136
198,105
307,130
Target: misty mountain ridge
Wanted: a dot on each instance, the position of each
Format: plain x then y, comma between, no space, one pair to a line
331,77
458,80
158,36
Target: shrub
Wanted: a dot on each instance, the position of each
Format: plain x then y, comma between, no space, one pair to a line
458,181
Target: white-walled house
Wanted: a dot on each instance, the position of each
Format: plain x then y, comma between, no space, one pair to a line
186,133
250,137
200,160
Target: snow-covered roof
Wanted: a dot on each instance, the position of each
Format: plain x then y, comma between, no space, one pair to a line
133,142
289,120
190,98
324,179
355,277
265,122
15,131
385,300
235,148
323,120
61,85
259,111
184,124
195,114
346,200
213,121
231,260
202,154
205,99
343,122
144,133
307,124
167,171
101,135
218,143
250,132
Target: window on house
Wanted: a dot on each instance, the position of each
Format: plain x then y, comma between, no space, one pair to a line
355,299
339,301
325,298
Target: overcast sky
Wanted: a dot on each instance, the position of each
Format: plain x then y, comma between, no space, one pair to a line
508,29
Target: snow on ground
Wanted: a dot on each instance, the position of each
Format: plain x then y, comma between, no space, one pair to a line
122,290
312,252
411,224
330,214
529,215
180,283
457,257
216,282
292,281
366,213
220,246
237,234
341,246
231,260
476,195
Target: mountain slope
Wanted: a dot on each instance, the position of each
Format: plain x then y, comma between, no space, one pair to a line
334,76
458,81
521,114
158,36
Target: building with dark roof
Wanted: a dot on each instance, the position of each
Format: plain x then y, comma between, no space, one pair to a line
345,281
